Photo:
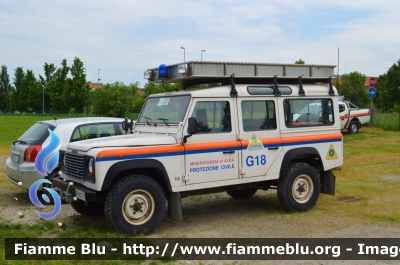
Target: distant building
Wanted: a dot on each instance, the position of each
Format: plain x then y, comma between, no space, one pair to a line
95,85
141,90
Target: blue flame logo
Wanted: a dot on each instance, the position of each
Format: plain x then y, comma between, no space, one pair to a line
35,200
46,161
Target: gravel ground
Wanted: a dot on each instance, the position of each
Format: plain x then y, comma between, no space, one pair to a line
219,216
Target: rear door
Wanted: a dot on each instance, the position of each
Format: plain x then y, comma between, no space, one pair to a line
261,143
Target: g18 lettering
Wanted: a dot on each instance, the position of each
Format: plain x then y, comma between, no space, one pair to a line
256,161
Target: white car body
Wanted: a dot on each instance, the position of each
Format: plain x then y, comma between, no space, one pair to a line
352,117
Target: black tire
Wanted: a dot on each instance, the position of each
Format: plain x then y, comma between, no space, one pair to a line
135,205
299,190
353,127
241,194
89,208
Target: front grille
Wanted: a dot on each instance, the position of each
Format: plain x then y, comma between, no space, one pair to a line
74,165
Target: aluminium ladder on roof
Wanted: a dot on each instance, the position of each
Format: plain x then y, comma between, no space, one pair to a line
200,72
203,72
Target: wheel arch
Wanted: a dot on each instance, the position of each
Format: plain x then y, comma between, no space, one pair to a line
308,155
150,167
357,121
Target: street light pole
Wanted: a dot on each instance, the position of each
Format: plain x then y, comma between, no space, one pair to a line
10,102
43,99
202,54
183,53
98,77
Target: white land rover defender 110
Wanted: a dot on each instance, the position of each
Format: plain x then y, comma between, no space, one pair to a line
243,135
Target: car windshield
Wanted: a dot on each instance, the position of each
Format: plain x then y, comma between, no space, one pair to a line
164,110
37,134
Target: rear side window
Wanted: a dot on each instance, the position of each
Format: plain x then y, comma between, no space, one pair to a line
258,115
37,134
90,131
308,112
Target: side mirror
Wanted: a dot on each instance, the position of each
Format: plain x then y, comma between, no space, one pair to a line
191,128
192,125
125,125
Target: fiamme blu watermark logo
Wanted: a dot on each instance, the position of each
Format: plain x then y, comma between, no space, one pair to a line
46,161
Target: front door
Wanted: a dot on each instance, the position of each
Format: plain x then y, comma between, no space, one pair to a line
212,154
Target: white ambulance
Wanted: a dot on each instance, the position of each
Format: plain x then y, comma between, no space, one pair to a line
237,137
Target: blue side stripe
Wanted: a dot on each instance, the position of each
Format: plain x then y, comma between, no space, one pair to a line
313,142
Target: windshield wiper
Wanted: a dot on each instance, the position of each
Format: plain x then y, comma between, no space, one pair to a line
147,120
164,120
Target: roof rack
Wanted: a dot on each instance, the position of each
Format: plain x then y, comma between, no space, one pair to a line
231,73
202,72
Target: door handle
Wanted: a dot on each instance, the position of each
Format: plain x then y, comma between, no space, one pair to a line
273,148
228,152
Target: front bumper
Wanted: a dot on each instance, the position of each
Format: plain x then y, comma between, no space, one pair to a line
69,191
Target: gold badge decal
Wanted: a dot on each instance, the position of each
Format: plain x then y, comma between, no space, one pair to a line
331,155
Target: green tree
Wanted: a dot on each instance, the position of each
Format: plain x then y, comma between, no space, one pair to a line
56,92
155,88
352,88
388,90
300,62
76,88
31,86
5,88
48,83
122,99
20,95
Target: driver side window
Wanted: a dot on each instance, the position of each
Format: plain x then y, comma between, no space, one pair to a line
212,116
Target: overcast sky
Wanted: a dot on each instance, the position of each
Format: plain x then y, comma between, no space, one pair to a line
124,38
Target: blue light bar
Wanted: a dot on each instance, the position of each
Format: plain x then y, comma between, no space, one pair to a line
163,71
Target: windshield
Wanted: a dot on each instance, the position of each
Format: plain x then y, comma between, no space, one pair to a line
164,110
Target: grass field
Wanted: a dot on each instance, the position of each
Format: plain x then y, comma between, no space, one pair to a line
387,121
367,188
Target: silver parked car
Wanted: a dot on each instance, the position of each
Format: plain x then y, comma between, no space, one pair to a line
21,163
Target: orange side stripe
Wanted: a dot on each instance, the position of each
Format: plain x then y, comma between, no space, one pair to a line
311,138
141,150
207,145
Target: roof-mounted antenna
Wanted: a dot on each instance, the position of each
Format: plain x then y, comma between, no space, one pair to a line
277,93
234,92
301,90
331,91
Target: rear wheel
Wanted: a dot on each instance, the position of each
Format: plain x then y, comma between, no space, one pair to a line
135,205
353,127
299,190
241,194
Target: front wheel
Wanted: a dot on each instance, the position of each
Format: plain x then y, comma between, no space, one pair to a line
135,205
299,190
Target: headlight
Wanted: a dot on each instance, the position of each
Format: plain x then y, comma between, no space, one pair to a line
91,167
